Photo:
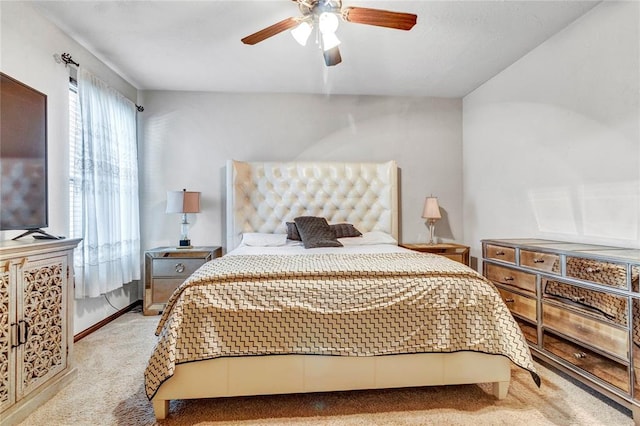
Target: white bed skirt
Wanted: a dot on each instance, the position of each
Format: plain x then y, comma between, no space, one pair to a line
281,374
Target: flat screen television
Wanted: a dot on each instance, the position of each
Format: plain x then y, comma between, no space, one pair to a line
23,158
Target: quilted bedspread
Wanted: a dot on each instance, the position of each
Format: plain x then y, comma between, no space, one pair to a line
332,304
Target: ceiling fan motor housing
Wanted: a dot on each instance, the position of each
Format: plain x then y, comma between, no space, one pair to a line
317,7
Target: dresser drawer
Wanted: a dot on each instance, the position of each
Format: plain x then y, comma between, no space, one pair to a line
598,365
529,331
511,277
600,272
543,261
521,305
607,306
608,338
175,267
505,254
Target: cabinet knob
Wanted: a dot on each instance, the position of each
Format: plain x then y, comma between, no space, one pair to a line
580,355
180,268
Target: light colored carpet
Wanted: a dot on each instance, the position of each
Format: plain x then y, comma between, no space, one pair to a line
109,391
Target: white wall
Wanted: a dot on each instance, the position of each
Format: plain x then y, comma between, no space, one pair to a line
28,44
188,136
552,144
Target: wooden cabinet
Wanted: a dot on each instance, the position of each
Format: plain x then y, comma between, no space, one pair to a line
578,306
36,324
166,268
456,252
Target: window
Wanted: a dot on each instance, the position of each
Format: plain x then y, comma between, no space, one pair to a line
75,155
103,186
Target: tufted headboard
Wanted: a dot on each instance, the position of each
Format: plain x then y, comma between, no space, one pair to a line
262,196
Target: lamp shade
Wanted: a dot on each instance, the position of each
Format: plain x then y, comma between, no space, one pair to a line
431,208
183,201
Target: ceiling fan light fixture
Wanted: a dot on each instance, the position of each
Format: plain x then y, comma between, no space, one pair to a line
329,41
302,32
322,16
328,23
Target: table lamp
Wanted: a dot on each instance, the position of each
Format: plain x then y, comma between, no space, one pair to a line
431,212
183,202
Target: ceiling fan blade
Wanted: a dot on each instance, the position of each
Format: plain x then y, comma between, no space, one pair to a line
270,31
332,57
379,17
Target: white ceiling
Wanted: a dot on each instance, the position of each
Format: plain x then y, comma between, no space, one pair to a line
195,45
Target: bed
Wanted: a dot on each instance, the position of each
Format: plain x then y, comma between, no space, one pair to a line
272,316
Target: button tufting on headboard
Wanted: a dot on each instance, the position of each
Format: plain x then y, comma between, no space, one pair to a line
262,196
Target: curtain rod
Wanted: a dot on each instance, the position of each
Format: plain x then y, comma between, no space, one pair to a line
67,59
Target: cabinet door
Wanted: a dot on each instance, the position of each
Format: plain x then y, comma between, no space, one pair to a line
7,362
44,323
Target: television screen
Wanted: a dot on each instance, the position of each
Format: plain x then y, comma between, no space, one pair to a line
23,156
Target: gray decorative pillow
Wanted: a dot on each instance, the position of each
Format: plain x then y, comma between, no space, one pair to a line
316,232
342,230
292,232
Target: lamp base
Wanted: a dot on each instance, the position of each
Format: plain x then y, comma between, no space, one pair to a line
432,239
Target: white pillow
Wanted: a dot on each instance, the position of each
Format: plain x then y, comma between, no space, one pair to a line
258,239
369,238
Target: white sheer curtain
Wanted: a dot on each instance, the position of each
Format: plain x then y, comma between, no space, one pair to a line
104,188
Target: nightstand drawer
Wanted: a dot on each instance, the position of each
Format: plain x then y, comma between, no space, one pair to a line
175,267
452,251
163,288
504,254
165,268
543,261
454,256
511,277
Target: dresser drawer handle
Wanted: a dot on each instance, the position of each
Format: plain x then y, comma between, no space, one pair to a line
180,268
509,278
500,253
593,270
578,298
538,260
580,355
510,300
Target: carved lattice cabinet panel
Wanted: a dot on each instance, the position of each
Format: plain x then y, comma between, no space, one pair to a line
6,319
44,352
36,324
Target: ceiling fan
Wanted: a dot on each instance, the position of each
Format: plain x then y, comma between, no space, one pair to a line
323,16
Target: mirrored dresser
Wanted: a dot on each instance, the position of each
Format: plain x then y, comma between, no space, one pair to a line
578,306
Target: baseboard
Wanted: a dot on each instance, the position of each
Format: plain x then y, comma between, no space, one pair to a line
106,321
